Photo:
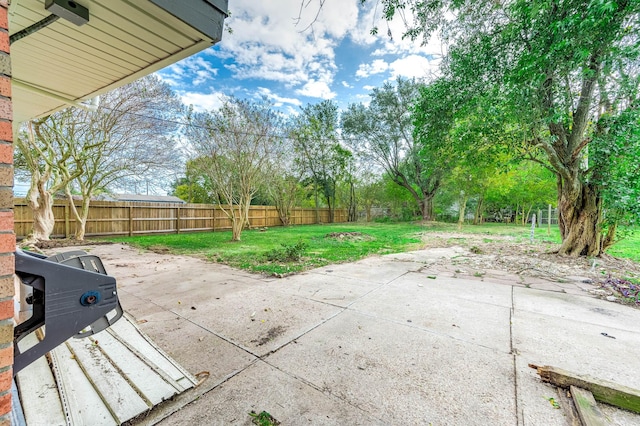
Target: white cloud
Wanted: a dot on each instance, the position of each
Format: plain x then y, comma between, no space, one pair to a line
203,102
195,69
290,43
368,87
413,66
347,85
316,89
278,101
376,67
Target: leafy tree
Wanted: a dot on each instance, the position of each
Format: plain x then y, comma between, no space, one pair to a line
383,132
283,187
194,187
568,69
232,149
315,137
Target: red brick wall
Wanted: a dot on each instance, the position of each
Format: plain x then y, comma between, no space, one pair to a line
7,237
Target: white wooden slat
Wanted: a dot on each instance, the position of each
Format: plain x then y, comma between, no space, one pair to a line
40,399
149,383
129,334
81,402
91,36
114,389
127,20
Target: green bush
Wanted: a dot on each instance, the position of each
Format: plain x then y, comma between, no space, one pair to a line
287,253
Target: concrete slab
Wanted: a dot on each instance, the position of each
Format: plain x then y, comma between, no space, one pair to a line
385,270
456,288
585,308
195,348
258,319
192,292
425,307
427,256
325,288
137,307
262,387
402,374
335,345
535,398
578,346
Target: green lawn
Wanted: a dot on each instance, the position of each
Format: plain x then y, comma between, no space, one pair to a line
317,249
628,247
250,253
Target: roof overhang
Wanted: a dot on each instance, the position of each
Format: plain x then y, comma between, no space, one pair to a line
64,64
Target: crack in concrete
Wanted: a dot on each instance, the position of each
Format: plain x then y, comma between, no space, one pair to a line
519,417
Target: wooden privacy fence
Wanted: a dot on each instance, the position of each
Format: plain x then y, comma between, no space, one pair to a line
138,218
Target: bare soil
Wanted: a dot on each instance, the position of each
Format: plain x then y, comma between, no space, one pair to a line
504,253
349,236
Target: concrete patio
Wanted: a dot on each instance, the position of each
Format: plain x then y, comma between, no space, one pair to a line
386,340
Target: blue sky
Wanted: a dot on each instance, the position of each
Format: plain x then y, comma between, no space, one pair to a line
332,57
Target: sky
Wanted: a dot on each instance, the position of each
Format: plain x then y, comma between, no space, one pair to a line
293,53
295,56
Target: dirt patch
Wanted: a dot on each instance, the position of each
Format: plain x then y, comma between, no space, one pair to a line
51,244
523,259
159,249
270,335
349,236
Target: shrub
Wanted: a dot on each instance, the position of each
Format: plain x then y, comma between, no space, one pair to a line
287,253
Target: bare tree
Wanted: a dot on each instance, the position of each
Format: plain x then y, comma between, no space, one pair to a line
87,151
232,147
45,166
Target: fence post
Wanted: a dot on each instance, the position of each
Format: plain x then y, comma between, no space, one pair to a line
539,218
549,221
213,215
178,220
130,220
533,227
67,229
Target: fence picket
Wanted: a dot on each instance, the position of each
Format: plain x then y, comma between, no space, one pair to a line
139,218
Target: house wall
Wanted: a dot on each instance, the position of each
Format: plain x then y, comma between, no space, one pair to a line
7,237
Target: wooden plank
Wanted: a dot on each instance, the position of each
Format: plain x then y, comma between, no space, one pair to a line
150,384
603,390
128,334
38,392
588,410
115,390
569,407
82,404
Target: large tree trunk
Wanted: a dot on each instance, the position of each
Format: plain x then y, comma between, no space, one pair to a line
237,222
80,217
317,207
462,209
477,217
352,203
426,208
580,219
41,203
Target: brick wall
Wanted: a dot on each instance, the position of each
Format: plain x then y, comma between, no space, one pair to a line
7,237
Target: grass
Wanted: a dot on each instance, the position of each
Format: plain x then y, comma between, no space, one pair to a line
628,247
283,250
251,253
